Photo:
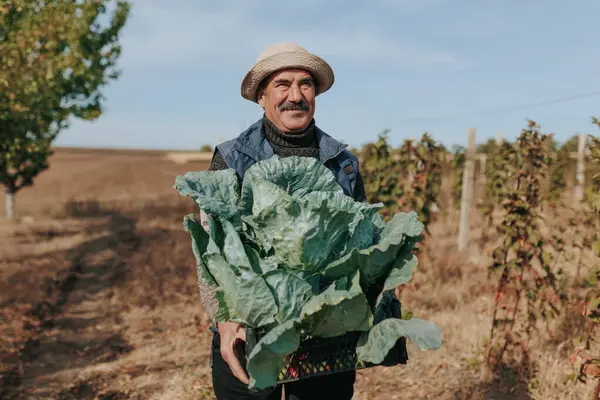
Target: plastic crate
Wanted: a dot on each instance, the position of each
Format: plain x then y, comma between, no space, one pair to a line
315,356
324,356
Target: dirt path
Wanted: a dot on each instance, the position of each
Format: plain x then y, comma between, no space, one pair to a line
75,324
118,317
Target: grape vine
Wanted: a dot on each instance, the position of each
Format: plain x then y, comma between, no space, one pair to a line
528,287
558,169
381,174
422,165
458,164
587,363
404,179
498,167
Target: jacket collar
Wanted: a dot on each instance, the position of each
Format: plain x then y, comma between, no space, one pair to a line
253,143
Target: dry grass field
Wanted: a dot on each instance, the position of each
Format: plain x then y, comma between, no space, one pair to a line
99,299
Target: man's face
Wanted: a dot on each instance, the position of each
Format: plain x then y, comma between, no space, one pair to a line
289,99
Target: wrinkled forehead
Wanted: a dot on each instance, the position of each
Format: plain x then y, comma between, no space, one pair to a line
287,75
290,75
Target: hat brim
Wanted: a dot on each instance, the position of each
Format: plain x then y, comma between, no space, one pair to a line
319,69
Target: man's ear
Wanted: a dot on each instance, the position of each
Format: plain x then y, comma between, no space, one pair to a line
261,99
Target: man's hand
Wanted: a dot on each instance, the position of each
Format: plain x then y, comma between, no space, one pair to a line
231,333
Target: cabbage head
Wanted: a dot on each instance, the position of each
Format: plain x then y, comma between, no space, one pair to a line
288,252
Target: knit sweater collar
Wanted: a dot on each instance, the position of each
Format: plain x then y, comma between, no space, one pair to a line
275,136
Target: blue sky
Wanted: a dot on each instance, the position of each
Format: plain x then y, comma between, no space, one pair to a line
407,65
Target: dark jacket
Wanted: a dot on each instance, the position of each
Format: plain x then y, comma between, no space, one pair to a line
251,146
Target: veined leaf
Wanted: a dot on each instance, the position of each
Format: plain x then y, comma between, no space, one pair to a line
290,292
376,344
223,312
350,283
296,175
258,194
216,192
249,297
379,259
345,266
335,312
284,226
402,270
361,229
234,250
267,358
200,242
323,242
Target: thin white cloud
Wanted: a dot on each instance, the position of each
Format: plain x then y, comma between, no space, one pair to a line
368,48
172,37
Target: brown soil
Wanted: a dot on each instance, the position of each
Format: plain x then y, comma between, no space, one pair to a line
99,299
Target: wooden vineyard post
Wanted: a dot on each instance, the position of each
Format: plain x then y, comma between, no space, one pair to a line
467,192
579,188
499,138
9,204
482,165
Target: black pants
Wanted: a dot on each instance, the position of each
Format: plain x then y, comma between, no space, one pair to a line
226,386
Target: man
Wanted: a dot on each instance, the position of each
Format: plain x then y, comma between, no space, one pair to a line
285,81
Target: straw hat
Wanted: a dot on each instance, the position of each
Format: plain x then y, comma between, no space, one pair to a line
282,56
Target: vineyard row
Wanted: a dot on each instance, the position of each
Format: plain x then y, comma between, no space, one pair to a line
524,189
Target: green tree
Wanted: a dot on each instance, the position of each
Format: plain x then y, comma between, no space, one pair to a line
56,55
206,148
571,144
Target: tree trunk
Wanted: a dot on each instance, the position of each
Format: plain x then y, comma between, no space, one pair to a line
10,204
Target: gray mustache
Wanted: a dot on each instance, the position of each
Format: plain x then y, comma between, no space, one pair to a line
301,105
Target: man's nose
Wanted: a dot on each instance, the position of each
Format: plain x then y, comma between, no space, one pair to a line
295,95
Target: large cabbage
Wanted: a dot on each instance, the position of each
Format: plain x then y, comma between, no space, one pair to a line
289,252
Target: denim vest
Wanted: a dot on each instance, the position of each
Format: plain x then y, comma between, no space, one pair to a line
251,146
